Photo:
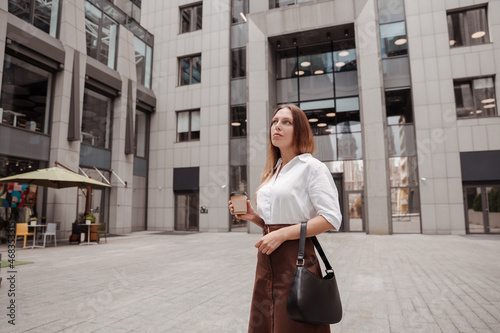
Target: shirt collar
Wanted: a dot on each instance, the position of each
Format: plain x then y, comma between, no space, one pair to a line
301,157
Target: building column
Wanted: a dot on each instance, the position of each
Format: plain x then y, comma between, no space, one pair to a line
62,203
260,100
377,213
122,156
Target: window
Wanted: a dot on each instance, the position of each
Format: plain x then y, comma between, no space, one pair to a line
238,121
133,9
141,134
238,63
468,27
405,198
143,55
190,70
475,98
101,35
398,106
284,3
26,92
42,14
188,125
96,122
393,39
240,9
191,18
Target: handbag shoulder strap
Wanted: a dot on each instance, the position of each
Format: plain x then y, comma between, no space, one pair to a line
302,245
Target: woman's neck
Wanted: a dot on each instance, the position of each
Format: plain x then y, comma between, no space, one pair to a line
287,155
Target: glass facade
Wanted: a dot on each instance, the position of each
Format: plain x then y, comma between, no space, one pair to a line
143,62
238,121
26,94
239,10
43,14
284,3
323,81
96,122
101,35
238,63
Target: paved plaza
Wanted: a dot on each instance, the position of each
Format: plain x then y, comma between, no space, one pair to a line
202,282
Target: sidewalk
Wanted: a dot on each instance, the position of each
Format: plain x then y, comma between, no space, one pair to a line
159,282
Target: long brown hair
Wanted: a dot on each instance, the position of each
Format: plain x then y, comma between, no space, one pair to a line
303,140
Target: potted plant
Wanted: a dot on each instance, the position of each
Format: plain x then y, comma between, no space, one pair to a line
33,220
89,218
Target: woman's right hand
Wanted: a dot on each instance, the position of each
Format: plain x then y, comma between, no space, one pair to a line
251,214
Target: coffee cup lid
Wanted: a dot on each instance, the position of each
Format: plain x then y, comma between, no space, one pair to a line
238,193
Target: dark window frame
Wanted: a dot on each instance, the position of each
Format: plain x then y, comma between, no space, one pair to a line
99,37
193,17
111,114
190,126
468,37
237,18
32,16
470,81
239,68
191,58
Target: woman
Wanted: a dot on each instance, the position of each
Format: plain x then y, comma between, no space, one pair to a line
295,187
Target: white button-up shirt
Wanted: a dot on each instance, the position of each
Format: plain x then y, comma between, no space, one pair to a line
302,190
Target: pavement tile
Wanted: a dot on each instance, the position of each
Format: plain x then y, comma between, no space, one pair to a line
149,282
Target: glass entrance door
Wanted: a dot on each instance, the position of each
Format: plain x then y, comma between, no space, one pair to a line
482,206
355,215
186,212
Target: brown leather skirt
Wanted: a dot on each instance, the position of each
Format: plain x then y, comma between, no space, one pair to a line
273,279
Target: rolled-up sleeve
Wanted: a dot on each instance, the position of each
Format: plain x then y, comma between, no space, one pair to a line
324,196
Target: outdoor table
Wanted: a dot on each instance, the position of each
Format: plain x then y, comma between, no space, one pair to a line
88,234
35,226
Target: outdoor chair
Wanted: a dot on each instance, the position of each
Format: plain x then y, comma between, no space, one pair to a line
101,229
51,231
22,230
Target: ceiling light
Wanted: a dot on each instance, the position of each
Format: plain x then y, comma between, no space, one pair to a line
313,120
478,34
328,130
331,114
344,53
488,100
322,125
479,111
305,64
489,106
299,73
236,124
319,71
472,112
400,41
452,42
243,16
340,64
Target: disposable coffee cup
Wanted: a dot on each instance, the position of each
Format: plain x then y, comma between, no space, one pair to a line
239,200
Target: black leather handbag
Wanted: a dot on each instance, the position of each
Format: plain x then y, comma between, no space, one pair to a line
313,299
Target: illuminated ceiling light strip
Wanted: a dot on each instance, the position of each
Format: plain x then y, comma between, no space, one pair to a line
243,16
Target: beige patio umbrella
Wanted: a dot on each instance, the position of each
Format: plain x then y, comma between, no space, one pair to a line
53,177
